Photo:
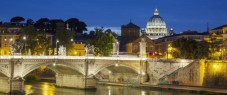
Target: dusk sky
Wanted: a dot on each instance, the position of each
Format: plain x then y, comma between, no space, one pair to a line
182,15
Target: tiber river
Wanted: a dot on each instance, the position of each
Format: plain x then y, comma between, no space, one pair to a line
46,88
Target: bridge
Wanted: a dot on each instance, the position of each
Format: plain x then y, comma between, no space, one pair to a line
71,71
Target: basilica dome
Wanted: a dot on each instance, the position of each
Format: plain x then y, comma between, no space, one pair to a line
156,26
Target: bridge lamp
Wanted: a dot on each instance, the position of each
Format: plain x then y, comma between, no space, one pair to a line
71,40
24,38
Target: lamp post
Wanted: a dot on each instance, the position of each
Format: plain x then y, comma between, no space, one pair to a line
57,46
24,38
10,41
71,40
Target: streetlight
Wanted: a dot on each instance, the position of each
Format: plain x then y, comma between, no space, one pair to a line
72,40
24,38
10,41
56,47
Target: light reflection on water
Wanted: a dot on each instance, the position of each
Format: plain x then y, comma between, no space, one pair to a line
45,88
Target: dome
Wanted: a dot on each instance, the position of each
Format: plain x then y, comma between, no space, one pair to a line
156,21
156,26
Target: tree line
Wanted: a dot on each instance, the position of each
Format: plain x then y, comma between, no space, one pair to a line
51,25
191,49
38,42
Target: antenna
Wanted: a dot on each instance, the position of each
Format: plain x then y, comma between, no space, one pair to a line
208,28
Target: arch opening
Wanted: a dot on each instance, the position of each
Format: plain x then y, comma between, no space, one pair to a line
49,71
118,74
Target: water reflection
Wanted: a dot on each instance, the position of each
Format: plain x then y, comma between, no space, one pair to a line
46,88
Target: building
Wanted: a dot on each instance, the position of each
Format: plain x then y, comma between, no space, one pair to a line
78,49
129,33
219,35
134,47
156,26
8,35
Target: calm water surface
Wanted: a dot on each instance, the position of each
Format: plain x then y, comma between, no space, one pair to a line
46,88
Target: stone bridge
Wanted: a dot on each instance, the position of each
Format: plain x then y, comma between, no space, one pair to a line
71,71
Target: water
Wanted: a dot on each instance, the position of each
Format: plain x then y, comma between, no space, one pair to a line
46,88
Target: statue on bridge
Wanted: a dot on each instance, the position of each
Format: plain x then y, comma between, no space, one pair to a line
89,49
16,48
62,51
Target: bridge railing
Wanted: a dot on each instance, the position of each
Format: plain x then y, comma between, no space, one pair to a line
74,57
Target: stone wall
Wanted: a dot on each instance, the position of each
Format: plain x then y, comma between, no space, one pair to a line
189,75
4,84
157,70
124,78
215,73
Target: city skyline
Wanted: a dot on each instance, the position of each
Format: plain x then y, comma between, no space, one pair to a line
180,15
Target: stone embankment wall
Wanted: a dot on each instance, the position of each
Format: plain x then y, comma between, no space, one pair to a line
188,75
157,70
208,73
215,73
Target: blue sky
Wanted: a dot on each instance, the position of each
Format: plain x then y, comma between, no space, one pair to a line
180,14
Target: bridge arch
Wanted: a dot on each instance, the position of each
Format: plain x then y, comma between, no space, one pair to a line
135,69
4,71
48,64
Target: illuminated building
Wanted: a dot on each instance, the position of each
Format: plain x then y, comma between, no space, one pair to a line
156,26
78,50
8,35
219,35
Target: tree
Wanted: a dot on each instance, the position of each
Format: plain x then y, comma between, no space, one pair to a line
215,46
36,41
76,25
17,19
64,37
103,42
42,24
30,22
190,49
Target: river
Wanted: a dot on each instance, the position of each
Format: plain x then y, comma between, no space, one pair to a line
46,88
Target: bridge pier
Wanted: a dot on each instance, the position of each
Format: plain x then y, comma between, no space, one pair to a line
75,81
17,86
4,84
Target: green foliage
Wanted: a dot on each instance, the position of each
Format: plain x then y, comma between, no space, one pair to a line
103,42
37,41
190,49
76,25
17,19
215,46
64,37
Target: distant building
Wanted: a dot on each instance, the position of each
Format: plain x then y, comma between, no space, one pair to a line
156,26
8,35
162,44
134,47
129,33
78,50
219,34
